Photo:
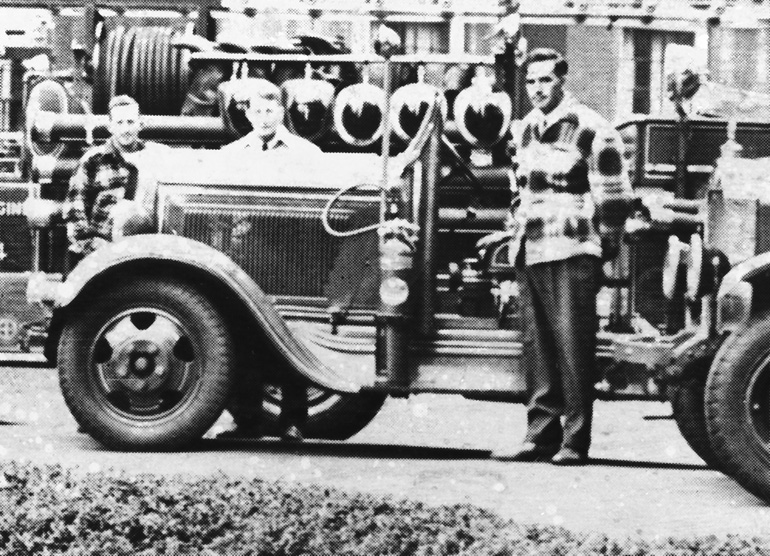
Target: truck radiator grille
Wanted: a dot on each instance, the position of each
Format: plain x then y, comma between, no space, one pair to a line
284,249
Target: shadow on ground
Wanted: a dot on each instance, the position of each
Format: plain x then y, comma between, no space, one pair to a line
396,451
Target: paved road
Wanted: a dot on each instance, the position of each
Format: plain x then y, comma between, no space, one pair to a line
643,479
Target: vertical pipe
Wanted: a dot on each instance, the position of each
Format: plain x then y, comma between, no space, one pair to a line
36,252
387,85
431,174
683,139
633,254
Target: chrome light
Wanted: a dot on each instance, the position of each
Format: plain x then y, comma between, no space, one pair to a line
672,264
359,114
706,267
408,107
694,267
394,291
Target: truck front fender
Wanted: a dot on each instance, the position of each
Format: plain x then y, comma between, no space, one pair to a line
192,258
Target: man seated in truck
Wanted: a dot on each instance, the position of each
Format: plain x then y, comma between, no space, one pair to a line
261,102
112,193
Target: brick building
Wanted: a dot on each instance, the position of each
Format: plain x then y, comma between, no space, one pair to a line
616,47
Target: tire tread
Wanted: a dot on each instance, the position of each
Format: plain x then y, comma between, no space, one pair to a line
723,430
219,388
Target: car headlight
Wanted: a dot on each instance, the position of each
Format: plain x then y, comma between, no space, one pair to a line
672,265
694,264
705,268
734,307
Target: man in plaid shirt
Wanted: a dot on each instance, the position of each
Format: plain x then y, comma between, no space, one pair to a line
108,196
575,196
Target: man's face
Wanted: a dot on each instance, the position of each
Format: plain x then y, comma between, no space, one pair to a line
124,125
264,116
544,87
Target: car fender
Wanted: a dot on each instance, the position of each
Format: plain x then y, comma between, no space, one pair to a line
736,302
193,254
744,271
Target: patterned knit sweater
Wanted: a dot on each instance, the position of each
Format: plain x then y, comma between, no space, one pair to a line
572,181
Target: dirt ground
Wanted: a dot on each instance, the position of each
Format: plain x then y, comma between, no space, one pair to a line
643,480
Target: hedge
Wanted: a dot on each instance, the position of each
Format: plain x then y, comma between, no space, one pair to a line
51,510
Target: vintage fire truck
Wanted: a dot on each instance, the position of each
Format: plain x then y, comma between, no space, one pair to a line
364,281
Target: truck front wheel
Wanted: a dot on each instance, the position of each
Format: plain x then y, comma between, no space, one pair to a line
146,364
738,406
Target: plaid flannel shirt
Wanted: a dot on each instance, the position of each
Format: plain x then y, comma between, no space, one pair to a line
572,182
104,176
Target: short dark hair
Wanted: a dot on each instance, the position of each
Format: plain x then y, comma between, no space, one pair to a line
122,100
252,88
561,67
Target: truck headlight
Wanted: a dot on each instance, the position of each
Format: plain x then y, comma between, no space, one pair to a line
394,291
734,307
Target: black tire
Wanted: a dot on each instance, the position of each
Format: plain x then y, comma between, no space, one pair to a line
331,416
146,365
738,406
689,407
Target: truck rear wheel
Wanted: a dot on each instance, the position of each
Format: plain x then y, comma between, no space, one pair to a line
146,365
738,406
331,416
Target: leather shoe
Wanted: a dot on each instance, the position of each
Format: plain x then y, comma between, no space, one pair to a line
292,434
569,456
529,451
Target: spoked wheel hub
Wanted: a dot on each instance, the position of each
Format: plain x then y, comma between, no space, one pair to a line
145,362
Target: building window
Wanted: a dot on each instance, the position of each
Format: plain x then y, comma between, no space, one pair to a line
642,73
421,36
478,38
341,31
745,49
648,89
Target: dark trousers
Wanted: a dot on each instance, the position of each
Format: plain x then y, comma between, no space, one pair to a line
250,394
559,344
294,406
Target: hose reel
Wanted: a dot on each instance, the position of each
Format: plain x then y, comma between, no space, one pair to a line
141,62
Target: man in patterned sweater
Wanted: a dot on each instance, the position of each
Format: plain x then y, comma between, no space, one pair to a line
109,196
575,196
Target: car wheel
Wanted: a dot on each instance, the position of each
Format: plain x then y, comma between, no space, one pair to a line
146,365
689,407
738,406
331,416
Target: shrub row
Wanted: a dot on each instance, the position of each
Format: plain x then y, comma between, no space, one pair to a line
50,510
